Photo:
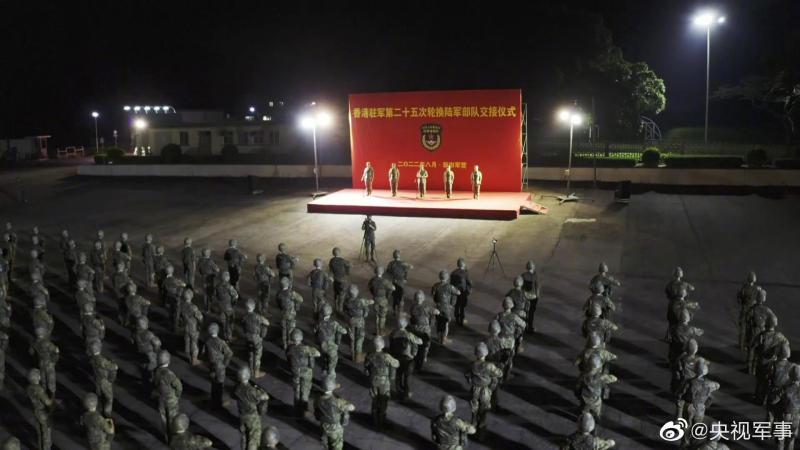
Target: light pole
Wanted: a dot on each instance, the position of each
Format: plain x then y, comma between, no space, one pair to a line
95,115
139,125
573,117
312,121
708,19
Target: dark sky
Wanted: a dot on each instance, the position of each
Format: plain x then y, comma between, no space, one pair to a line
62,59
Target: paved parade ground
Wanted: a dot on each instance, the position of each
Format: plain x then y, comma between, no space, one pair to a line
717,239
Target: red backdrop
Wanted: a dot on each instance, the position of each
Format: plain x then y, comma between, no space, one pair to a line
464,128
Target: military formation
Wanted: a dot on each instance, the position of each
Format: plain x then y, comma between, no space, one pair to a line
390,330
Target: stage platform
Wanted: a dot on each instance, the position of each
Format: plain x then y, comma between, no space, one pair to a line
490,206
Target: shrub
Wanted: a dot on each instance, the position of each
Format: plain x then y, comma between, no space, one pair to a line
229,152
114,153
100,159
171,154
705,162
756,157
604,162
651,157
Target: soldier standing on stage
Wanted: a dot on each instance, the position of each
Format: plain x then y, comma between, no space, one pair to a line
367,178
448,431
219,356
592,384
99,429
397,271
333,413
285,263
42,405
329,335
449,179
697,394
394,179
379,287
148,345
168,389
208,272
423,313
746,298
301,362
227,296
264,276
235,259
252,403
381,368
192,321
422,180
47,355
444,296
289,302
356,309
477,180
403,346
105,373
340,269
189,260
501,348
149,260
459,278
483,377
136,307
511,324
369,228
254,326
531,288
585,438
319,281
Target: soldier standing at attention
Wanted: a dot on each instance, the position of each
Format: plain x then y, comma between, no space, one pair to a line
42,406
394,179
301,361
208,272
460,279
319,281
449,179
379,287
189,259
192,321
369,228
219,356
227,296
329,335
254,326
149,260
168,389
333,413
448,431
397,271
403,345
356,310
252,402
264,276
285,263
444,296
381,369
235,259
99,429
289,301
531,288
340,269
98,259
477,179
422,180
367,178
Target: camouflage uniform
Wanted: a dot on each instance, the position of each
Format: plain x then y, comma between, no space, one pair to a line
235,259
119,283
598,298
192,321
756,320
254,326
501,348
252,403
333,413
208,272
189,260
596,324
329,334
764,349
83,271
149,261
227,296
680,334
531,288
41,317
289,302
483,377
788,407
285,263
459,278
595,346
422,314
606,279
148,345
585,438
746,298
685,367
70,254
136,307
119,257
380,368
3,350
445,296
98,260
340,269
41,405
380,287
591,386
219,356
105,373
318,281
356,310
511,324
697,393
301,361
173,288
182,439
397,272
99,430
448,431
47,355
93,327
404,346
264,276
779,376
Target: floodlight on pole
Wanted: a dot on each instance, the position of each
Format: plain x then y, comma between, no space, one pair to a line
146,109
137,108
156,108
252,109
707,19
95,115
574,118
126,108
311,122
140,124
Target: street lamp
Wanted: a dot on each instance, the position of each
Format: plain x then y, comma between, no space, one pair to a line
139,125
707,19
95,115
573,117
311,122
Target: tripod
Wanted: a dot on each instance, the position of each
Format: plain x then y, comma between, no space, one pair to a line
494,258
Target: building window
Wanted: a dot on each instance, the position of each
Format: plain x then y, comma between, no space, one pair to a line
184,138
274,137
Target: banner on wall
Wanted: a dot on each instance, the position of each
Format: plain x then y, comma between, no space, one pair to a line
437,128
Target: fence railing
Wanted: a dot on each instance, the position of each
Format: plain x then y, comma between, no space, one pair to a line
560,148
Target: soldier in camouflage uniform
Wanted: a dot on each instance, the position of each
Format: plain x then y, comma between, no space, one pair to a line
11,443
189,260
594,323
746,298
397,272
161,262
92,326
3,350
484,378
11,240
126,246
41,317
83,271
119,257
333,413
445,296
208,272
447,430
227,296
289,302
42,406
340,269
83,294
788,407
673,288
381,368
685,367
380,287
71,261
604,277
47,355
235,259
149,260
254,326
777,378
35,265
680,335
119,283
422,314
99,429
501,348
356,309
148,345
764,350
695,397
404,346
264,276
168,389
218,355
756,320
98,260
183,439
329,335
595,346
173,288
521,303
676,305
285,263
591,385
136,307
192,321
252,403
318,281
585,438
511,324
460,279
605,303
301,362
532,289
37,244
270,440
105,373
